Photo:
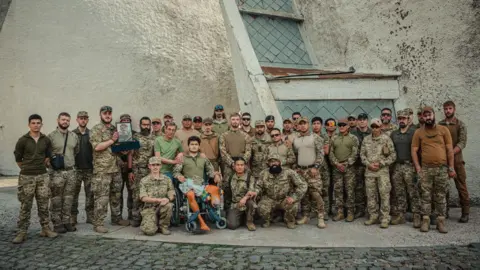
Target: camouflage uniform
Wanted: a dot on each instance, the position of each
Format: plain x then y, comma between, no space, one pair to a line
106,181
388,129
259,148
360,193
378,149
154,215
287,156
84,176
274,189
326,178
29,187
240,185
140,169
344,179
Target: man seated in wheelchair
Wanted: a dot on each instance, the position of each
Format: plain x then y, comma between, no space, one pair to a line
193,174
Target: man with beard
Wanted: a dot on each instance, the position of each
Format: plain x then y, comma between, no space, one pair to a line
404,172
387,126
437,166
377,154
317,123
187,131
198,123
361,132
220,123
269,123
259,146
62,180
352,122
209,143
32,153
288,134
139,163
343,154
286,154
83,168
458,131
310,156
167,118
421,122
233,143
246,124
107,181
157,126
169,149
295,117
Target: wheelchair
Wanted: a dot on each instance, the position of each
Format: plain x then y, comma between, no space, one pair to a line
182,213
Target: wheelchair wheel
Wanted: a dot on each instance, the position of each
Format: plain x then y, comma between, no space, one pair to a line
221,224
191,226
177,204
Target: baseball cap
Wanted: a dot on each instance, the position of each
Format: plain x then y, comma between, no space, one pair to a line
362,116
273,156
288,119
167,115
197,119
427,109
246,114
187,117
82,114
409,111
218,107
154,160
343,121
125,116
302,119
402,113
376,122
208,120
106,109
351,116
156,119
259,123
269,117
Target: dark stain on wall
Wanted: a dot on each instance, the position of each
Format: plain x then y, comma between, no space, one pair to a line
4,5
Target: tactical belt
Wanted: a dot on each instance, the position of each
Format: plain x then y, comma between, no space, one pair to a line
306,167
408,162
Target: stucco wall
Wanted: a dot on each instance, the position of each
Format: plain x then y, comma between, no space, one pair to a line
435,44
142,57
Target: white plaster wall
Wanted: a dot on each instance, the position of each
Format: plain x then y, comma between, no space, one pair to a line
435,44
142,57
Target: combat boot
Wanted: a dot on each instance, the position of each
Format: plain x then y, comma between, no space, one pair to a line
464,218
121,222
372,220
135,223
441,225
350,216
321,223
60,229
425,226
384,224
165,231
304,220
417,220
46,232
266,224
291,225
100,229
339,216
21,236
400,219
70,227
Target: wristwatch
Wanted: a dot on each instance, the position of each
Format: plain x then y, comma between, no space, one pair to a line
316,166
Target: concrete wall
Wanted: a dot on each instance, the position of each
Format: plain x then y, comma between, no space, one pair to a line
142,57
435,44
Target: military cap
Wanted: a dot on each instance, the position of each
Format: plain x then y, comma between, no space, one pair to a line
288,119
167,115
218,107
125,116
259,123
402,113
409,111
269,117
273,156
187,117
362,116
302,119
156,119
351,116
155,160
343,121
376,122
106,109
427,109
82,114
208,120
197,119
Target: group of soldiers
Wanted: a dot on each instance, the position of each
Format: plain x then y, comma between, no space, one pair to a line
357,167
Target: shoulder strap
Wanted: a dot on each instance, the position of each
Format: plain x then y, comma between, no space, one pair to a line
65,144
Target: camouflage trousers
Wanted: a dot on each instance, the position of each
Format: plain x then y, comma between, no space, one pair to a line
62,190
325,175
215,165
84,176
433,186
126,183
155,217
137,204
313,194
360,192
403,180
267,205
237,214
30,187
378,185
344,181
106,189
227,191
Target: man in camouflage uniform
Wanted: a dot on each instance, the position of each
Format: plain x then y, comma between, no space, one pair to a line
309,149
243,205
361,132
106,182
156,192
32,152
278,188
62,180
279,147
259,146
269,123
343,154
437,167
404,172
387,125
317,123
377,154
126,169
288,134
139,165
246,124
220,123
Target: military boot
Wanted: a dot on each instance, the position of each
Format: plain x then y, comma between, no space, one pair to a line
339,216
372,220
350,216
304,220
441,225
291,224
135,223
266,224
384,224
21,236
464,218
321,222
425,226
400,219
46,232
165,231
70,227
100,229
417,220
60,229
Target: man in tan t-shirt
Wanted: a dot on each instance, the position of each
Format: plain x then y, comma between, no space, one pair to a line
437,166
187,131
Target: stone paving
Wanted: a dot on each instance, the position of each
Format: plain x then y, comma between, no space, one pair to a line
117,250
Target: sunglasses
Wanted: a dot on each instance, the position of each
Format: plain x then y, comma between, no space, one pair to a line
246,119
342,125
155,165
386,114
330,124
274,135
156,123
295,118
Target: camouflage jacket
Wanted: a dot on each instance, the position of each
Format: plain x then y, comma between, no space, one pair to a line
278,187
156,188
286,154
103,161
194,168
235,143
379,149
240,185
349,143
141,155
388,130
259,148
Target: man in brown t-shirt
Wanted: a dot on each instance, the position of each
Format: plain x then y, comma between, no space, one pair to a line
187,131
437,166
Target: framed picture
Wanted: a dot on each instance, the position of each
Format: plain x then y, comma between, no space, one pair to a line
124,132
